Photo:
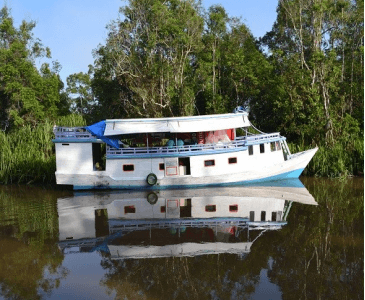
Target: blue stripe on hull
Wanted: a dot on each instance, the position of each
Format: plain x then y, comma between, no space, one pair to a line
284,176
287,175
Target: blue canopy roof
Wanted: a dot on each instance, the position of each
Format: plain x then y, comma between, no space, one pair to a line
98,129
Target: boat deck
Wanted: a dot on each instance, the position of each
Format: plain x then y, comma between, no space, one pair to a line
79,135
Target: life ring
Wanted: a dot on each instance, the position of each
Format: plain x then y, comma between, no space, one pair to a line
152,198
151,179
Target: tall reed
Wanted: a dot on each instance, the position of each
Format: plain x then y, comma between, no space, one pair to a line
337,160
27,154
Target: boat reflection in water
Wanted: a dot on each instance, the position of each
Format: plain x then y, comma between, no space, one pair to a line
186,222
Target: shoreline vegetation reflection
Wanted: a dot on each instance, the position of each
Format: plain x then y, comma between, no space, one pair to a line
306,240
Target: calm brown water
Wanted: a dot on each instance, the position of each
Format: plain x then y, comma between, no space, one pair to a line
271,242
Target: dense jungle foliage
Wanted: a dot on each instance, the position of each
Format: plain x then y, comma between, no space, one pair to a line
304,78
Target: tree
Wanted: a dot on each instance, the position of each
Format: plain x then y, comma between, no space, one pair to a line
159,62
80,93
231,69
150,55
25,93
210,62
310,45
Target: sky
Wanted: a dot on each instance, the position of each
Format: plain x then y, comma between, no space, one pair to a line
73,28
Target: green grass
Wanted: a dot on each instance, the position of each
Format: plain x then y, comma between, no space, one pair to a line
27,154
338,160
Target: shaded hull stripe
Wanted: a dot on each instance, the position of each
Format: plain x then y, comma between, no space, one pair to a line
287,175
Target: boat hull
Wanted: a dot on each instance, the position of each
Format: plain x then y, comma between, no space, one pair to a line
288,169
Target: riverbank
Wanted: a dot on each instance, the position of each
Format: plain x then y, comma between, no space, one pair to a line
27,155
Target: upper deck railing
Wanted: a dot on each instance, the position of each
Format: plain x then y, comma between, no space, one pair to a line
239,142
260,138
72,133
166,150
118,228
80,134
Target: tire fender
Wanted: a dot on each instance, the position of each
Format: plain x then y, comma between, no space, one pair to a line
152,198
151,179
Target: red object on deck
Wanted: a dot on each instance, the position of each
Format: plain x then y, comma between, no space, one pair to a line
231,134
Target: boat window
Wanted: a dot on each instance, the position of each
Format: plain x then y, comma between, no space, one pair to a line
128,168
210,208
172,204
252,216
233,208
209,163
278,146
163,209
161,167
65,144
232,160
130,209
273,216
250,150
272,146
262,148
263,215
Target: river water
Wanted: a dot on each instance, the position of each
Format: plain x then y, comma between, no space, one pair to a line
284,240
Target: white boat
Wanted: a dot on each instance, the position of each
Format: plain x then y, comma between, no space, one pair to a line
173,152
179,222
